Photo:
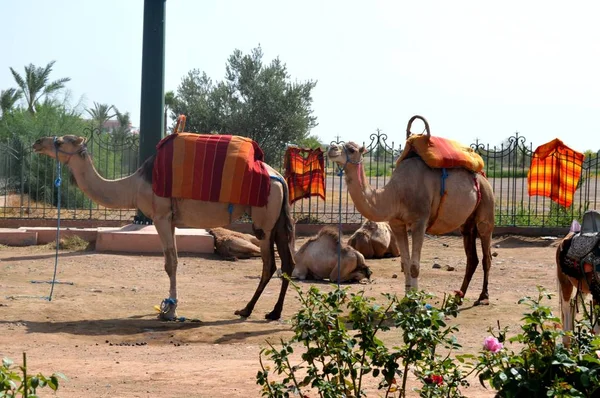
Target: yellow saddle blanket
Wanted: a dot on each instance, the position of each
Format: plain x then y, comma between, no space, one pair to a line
440,153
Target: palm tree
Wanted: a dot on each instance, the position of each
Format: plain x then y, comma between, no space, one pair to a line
169,102
8,99
100,114
35,83
124,120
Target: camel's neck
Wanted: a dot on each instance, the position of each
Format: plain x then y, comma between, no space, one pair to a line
109,193
374,204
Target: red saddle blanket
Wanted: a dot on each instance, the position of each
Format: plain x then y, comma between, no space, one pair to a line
214,168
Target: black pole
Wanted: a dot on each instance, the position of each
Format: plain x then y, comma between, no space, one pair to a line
153,84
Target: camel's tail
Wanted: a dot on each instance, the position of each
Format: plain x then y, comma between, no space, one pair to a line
284,232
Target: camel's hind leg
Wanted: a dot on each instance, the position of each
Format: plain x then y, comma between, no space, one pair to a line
469,233
485,230
277,227
267,252
166,232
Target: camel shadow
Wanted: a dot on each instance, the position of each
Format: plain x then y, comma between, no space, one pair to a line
121,326
47,256
240,336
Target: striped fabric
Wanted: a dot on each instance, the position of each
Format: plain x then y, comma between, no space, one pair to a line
555,172
305,173
440,153
214,168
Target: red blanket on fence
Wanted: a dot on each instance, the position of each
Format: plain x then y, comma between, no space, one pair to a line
305,173
554,172
439,153
214,168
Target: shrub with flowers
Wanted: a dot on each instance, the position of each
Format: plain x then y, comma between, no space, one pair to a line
542,367
339,331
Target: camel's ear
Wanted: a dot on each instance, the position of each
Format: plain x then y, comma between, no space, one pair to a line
78,140
362,150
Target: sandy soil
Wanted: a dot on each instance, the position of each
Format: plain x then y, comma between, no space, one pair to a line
102,331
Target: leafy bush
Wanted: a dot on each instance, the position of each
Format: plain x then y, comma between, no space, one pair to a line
12,384
341,350
542,367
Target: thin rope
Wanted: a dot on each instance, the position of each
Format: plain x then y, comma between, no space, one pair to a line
339,264
57,183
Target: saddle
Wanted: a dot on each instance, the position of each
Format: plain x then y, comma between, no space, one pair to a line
583,253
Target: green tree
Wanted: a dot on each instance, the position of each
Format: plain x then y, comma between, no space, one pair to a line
255,100
100,113
8,99
35,84
169,103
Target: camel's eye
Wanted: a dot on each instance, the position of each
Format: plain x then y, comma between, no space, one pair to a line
351,150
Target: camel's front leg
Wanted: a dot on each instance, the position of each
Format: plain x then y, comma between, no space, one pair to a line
402,239
418,237
267,252
166,232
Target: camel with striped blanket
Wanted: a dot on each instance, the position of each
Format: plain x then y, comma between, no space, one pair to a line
272,223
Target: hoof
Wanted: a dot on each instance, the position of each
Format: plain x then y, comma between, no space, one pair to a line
273,316
243,313
482,302
168,310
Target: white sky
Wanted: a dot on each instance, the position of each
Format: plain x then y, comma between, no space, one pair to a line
474,69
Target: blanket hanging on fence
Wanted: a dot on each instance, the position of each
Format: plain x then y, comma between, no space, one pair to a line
214,168
555,172
305,173
438,153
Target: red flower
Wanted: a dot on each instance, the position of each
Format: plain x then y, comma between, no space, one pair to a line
459,293
437,379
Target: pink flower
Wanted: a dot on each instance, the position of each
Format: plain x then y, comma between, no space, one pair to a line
598,354
492,344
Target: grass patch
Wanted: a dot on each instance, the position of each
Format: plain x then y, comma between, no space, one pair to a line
73,243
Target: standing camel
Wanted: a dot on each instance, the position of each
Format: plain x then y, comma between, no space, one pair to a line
578,267
272,223
411,200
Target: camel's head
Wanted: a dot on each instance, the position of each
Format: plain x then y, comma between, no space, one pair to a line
342,154
62,147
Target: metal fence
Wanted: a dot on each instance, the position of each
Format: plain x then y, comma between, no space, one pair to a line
27,188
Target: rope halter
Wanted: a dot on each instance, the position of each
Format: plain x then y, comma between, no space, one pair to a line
57,150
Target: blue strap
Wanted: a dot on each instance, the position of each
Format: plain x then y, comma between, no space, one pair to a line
230,209
444,176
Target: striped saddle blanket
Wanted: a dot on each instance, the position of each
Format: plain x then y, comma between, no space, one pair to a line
214,168
440,153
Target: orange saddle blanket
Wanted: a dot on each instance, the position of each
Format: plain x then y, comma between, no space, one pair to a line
439,153
214,168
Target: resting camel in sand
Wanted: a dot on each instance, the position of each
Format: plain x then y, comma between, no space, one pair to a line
234,245
411,201
375,240
578,267
317,259
272,222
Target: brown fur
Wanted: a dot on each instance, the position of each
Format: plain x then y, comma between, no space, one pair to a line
373,242
234,245
353,267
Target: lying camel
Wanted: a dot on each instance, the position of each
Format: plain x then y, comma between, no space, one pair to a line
317,259
375,240
234,245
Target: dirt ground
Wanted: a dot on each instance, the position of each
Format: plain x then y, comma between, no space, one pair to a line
101,331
